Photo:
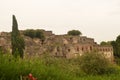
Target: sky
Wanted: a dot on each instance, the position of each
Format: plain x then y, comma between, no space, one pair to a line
98,19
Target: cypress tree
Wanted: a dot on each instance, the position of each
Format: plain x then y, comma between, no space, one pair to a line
17,41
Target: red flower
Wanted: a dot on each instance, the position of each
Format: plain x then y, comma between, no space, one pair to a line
31,77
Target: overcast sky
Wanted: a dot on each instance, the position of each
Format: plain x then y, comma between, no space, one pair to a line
99,19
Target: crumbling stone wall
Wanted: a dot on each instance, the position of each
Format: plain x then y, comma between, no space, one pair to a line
58,45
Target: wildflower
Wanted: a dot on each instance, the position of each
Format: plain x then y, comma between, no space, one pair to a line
31,77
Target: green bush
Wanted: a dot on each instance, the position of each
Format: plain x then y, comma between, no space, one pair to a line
29,33
47,68
117,60
95,63
74,32
34,34
12,68
39,34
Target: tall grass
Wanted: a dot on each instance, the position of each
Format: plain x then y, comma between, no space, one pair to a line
12,68
46,68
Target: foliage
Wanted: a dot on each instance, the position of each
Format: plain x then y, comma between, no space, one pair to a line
43,69
117,60
46,68
74,32
105,43
39,34
100,77
116,49
30,33
34,34
95,63
17,41
118,46
1,50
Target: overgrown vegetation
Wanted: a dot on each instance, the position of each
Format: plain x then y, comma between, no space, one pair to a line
43,69
116,49
74,32
103,43
51,68
96,64
35,34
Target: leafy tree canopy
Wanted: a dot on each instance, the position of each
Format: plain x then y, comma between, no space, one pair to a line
116,49
74,32
35,34
105,43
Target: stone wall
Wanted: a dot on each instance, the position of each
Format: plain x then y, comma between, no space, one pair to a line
58,45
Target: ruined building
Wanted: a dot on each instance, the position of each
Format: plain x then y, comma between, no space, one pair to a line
58,45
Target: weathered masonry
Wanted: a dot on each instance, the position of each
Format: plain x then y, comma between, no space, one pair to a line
58,45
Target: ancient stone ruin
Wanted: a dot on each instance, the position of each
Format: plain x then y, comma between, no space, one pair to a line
58,45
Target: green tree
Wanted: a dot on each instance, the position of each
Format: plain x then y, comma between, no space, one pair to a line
116,47
105,43
74,32
17,41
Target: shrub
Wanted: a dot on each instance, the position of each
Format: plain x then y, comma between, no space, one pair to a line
12,68
29,33
95,63
117,60
39,34
74,32
34,34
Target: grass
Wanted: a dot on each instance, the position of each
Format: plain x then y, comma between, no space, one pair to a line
46,68
42,69
98,77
